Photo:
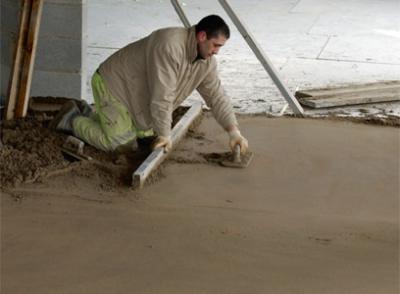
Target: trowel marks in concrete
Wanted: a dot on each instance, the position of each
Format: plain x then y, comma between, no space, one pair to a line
217,158
316,210
226,159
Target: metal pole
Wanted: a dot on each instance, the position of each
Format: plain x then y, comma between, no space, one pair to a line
181,13
262,57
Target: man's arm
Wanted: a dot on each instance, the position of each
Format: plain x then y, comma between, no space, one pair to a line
162,74
221,106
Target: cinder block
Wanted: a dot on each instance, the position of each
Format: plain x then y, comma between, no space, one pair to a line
8,42
56,84
10,13
5,73
61,21
59,67
12,2
9,17
67,2
55,54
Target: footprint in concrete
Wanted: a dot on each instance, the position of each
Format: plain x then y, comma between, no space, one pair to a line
323,241
217,158
187,157
226,159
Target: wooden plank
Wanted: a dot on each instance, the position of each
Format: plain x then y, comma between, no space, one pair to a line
373,92
29,58
347,89
18,60
352,98
158,156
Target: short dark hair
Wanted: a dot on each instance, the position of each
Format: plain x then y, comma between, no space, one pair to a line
213,25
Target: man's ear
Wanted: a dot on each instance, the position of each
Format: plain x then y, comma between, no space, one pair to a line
202,36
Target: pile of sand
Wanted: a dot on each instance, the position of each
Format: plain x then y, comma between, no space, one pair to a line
29,149
30,152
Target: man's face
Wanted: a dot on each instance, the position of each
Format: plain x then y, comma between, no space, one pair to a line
208,47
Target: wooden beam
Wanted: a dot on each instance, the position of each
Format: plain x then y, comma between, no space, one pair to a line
18,60
322,92
350,95
29,58
158,156
348,99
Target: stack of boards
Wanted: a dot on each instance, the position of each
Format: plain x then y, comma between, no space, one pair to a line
350,95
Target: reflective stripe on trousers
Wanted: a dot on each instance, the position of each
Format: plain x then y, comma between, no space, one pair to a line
111,125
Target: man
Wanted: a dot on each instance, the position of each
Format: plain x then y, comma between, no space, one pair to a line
137,88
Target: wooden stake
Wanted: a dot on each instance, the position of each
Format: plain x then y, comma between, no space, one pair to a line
18,60
29,58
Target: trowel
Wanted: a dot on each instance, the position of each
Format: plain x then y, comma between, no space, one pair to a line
237,160
74,147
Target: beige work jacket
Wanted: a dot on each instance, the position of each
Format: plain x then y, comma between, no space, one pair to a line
154,75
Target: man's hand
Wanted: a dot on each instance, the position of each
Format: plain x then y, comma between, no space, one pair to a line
236,138
163,142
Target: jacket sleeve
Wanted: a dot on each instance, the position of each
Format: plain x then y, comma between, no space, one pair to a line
215,97
162,71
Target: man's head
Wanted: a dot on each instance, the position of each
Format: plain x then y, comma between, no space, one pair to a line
211,33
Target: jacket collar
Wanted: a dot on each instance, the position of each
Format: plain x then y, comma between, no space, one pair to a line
192,45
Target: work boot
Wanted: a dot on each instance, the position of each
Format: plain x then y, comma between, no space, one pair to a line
63,120
84,107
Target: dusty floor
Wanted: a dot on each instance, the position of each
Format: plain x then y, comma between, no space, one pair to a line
317,211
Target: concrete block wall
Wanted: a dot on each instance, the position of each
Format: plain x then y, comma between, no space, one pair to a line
9,22
60,67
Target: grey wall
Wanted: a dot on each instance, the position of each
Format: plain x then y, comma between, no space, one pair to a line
60,67
9,17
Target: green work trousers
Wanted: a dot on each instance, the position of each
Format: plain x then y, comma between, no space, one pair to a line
110,125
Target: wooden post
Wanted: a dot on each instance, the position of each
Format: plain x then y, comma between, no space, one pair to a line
18,60
29,58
